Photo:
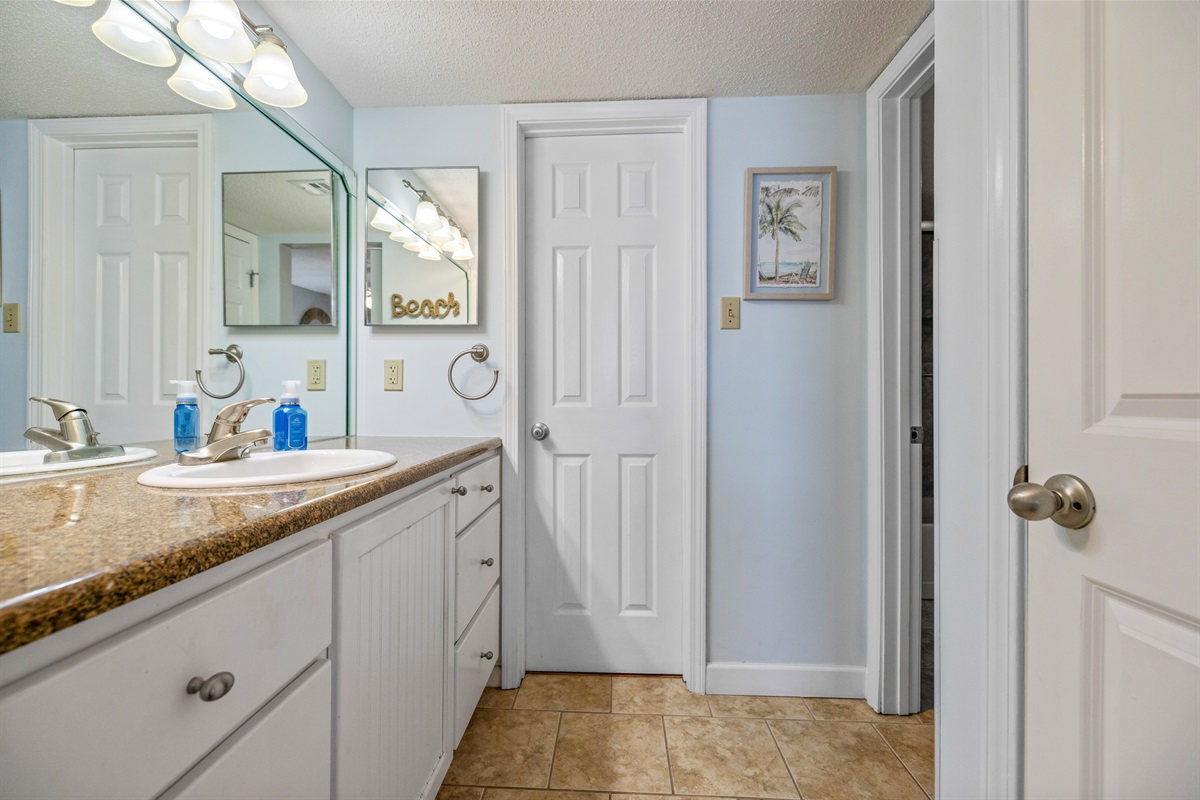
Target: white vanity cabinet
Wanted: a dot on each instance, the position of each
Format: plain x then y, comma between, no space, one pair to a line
117,720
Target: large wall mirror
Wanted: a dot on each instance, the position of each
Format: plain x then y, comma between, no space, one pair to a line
278,248
422,229
127,237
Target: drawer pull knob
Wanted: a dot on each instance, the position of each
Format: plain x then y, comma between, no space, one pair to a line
488,488
488,655
214,688
488,562
458,490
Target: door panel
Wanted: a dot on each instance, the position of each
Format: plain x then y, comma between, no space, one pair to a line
605,499
1113,659
135,256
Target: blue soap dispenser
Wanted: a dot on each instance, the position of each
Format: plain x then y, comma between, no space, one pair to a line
187,417
291,421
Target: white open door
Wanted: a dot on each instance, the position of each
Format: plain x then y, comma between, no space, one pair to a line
1113,658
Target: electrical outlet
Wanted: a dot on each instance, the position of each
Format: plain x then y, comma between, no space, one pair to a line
731,313
393,375
316,374
12,317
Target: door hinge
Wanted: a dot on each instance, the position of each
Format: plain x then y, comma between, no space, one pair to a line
916,434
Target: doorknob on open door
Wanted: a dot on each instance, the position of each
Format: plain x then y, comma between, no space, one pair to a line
539,431
1065,499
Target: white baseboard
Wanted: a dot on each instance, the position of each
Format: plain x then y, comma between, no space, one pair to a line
786,680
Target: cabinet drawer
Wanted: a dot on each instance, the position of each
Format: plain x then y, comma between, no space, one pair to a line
116,719
480,543
283,752
478,497
471,670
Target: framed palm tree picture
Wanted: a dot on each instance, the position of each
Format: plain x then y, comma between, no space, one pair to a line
791,214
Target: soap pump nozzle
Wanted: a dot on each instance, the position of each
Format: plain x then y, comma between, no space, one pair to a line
291,392
186,392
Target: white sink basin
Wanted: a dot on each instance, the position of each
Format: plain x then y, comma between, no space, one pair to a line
268,469
27,462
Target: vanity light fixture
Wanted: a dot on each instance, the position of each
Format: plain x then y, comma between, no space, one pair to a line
125,32
465,254
193,82
427,218
214,29
384,221
416,245
402,235
430,254
272,77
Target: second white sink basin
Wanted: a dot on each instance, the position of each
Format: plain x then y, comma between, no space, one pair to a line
268,469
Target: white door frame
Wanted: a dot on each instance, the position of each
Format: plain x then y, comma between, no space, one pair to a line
893,546
521,122
52,146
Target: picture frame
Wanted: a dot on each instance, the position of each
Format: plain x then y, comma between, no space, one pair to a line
791,221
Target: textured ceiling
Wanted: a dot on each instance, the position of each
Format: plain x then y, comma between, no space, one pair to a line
448,52
267,203
52,66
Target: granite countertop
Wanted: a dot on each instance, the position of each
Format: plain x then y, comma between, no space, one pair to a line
76,544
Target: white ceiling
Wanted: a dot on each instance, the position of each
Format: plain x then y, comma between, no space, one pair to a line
269,204
450,52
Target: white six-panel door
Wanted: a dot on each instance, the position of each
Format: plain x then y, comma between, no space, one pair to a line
135,320
1113,659
605,330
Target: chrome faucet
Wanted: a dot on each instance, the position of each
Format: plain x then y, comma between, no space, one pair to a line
74,440
227,441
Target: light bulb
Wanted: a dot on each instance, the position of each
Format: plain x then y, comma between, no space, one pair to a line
384,221
128,34
214,29
272,77
427,216
194,82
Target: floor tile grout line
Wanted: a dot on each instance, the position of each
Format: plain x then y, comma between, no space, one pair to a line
554,752
888,745
667,746
783,758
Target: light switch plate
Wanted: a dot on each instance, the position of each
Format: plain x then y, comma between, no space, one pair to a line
731,313
316,375
393,375
12,317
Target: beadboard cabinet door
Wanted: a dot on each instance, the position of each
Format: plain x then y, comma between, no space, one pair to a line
393,650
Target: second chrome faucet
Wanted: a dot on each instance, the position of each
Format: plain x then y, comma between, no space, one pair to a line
226,440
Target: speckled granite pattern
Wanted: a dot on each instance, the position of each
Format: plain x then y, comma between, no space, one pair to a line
78,544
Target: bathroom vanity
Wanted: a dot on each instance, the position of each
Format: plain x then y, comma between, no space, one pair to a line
306,640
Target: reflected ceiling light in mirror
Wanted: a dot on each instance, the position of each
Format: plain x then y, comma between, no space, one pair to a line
442,234
427,218
384,221
272,77
430,254
193,82
465,254
214,29
416,246
402,235
77,3
125,32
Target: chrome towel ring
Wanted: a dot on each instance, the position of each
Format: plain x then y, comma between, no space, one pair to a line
480,353
233,354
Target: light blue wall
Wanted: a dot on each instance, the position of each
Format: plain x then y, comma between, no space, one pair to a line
787,404
447,136
14,256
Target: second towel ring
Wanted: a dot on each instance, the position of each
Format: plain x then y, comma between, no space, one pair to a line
233,354
480,353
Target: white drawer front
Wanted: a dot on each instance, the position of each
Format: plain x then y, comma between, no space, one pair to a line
475,577
116,720
471,669
282,753
478,497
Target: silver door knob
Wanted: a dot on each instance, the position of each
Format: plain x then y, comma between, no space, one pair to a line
1065,499
539,431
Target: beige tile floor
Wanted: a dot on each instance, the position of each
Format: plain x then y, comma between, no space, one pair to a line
602,737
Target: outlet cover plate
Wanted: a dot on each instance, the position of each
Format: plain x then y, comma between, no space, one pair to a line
731,313
12,317
393,375
316,374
